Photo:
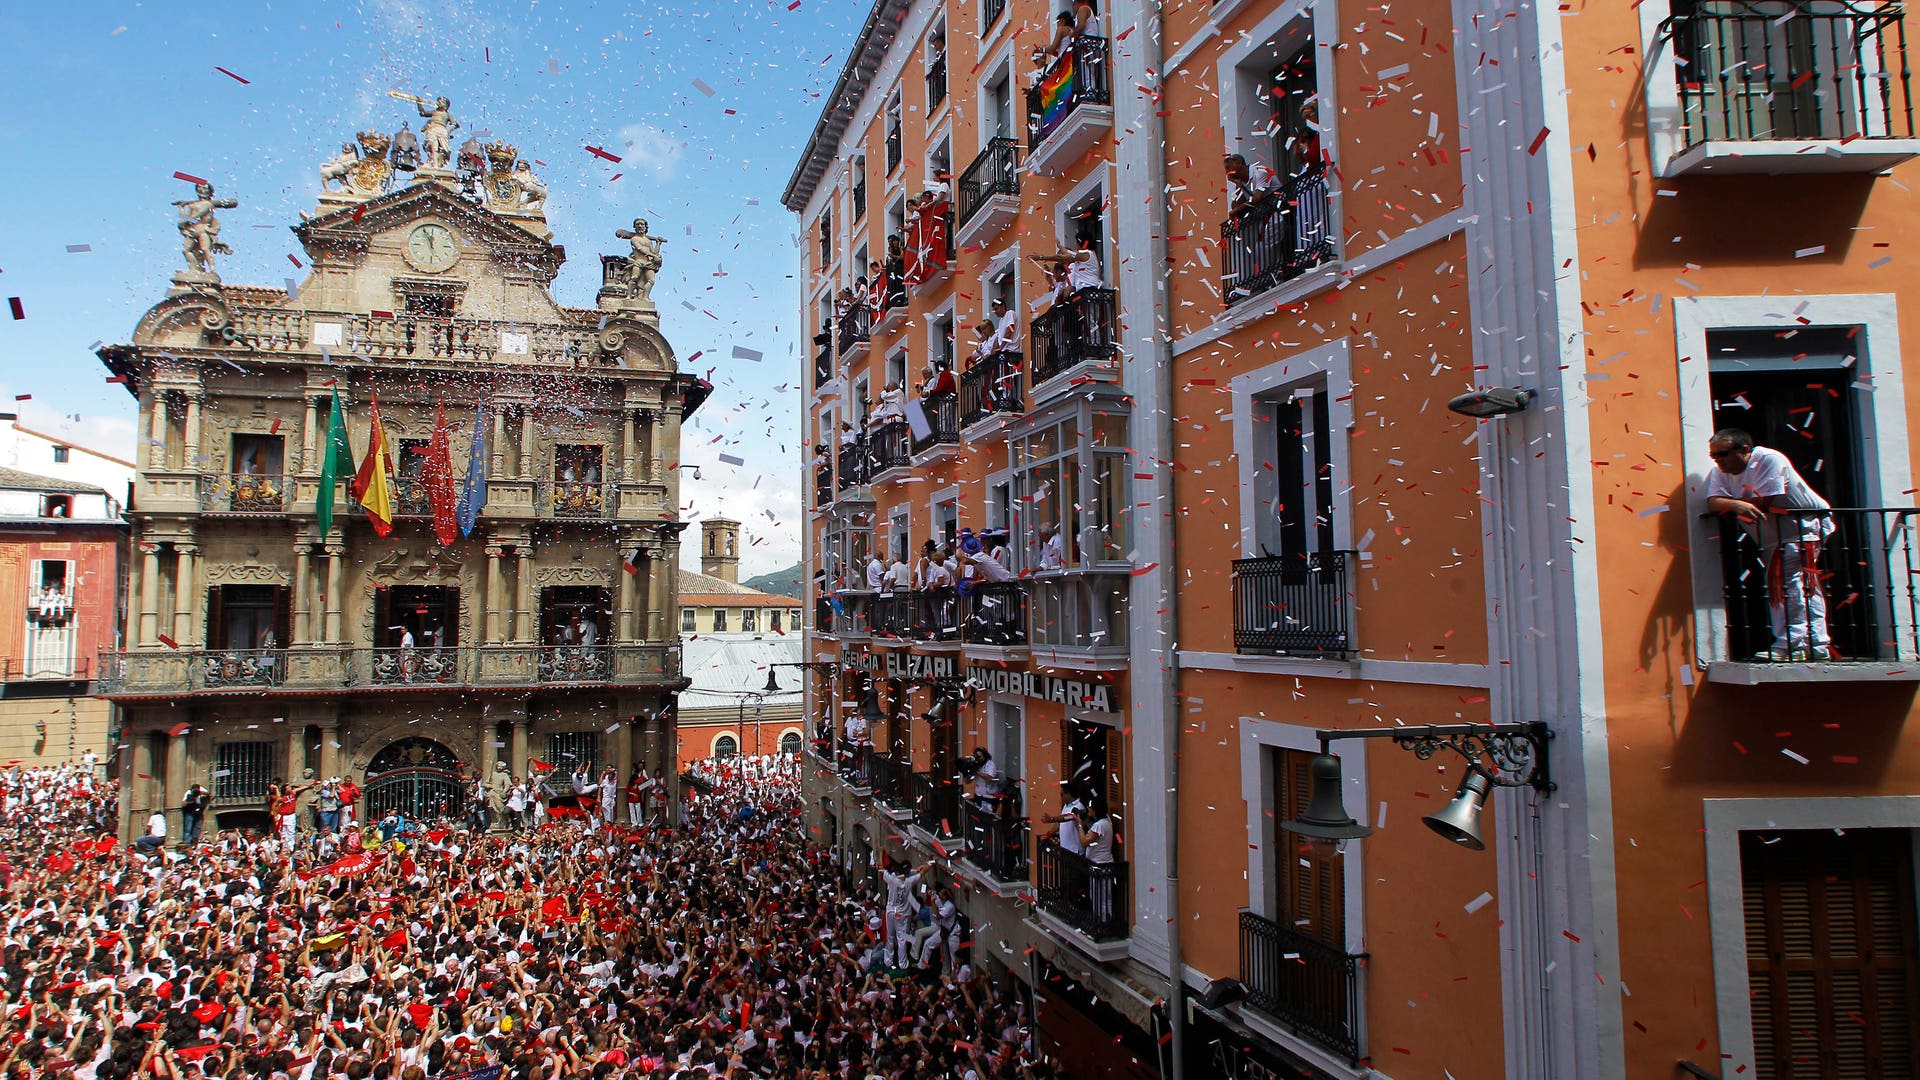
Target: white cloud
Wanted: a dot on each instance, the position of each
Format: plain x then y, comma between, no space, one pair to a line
648,148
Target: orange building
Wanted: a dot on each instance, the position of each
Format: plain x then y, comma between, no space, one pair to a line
1406,425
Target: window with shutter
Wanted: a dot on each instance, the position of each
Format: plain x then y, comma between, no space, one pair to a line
1311,881
1832,961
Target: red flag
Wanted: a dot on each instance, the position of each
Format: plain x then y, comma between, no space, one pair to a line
539,766
395,941
438,473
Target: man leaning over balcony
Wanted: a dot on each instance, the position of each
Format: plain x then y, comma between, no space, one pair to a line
1760,486
1247,183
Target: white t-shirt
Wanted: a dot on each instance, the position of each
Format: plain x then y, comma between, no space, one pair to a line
1070,828
1083,272
1100,841
876,574
1769,473
1053,553
157,825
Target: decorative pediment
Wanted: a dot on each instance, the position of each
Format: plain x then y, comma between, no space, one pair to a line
248,574
572,574
346,232
406,564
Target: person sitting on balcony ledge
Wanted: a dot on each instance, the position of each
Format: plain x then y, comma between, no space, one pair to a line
53,603
891,406
1760,486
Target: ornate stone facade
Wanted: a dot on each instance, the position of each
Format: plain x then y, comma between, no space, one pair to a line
258,647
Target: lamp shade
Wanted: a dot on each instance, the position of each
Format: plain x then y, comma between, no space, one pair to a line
1460,820
1326,816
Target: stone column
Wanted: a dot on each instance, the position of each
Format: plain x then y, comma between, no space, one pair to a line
526,443
497,455
176,784
190,456
649,438
157,431
329,746
150,596
302,593
140,783
489,753
336,585
186,592
623,608
495,567
628,471
309,421
523,607
518,746
623,757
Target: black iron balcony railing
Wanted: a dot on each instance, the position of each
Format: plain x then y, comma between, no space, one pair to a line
243,493
991,12
1831,586
823,362
936,804
943,421
411,498
936,82
996,614
990,386
893,615
822,485
425,667
1075,330
891,443
1292,604
890,783
230,669
1090,897
854,460
893,145
1309,985
855,328
855,765
1277,237
936,614
860,190
1764,70
997,839
1078,77
995,172
575,663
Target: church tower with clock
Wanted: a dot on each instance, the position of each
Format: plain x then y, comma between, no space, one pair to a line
493,594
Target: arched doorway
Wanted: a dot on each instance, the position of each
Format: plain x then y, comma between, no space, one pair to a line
418,778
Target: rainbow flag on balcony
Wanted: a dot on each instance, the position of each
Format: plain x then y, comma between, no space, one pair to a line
1056,90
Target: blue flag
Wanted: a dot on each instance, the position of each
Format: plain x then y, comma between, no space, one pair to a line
473,495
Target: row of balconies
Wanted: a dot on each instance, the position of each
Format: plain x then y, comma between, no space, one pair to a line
1082,610
305,669
275,495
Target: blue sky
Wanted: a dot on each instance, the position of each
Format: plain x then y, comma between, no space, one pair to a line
107,101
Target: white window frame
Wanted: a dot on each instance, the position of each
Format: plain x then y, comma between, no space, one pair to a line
1101,180
900,526
1882,452
1257,789
938,499
1726,819
1329,366
1019,707
689,620
1238,77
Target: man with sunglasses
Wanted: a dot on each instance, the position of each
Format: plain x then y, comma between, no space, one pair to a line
1763,489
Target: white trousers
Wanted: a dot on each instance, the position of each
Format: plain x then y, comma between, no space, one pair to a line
898,941
1796,600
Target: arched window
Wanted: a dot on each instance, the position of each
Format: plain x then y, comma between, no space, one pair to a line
726,746
790,743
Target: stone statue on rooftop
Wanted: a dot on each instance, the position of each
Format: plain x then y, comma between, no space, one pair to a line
436,135
643,266
200,229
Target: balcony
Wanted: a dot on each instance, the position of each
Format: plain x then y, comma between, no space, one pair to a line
822,486
936,83
854,331
1090,898
991,390
893,311
1307,985
379,337
943,426
167,673
990,14
50,668
411,498
892,786
576,499
1277,238
893,615
823,361
893,144
243,493
854,462
996,615
1080,617
891,446
997,840
1292,605
929,259
1816,86
987,197
1860,620
1076,331
936,806
855,765
1071,109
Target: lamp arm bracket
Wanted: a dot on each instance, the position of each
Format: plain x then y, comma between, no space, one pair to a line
1512,755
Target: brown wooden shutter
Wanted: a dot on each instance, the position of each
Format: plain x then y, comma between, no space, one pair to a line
1833,967
217,618
1312,882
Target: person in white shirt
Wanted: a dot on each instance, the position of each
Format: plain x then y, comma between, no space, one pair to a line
1247,183
986,778
1760,486
1052,548
156,837
1069,821
900,575
1100,877
900,889
876,573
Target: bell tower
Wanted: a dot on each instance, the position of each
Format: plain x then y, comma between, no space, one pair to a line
720,549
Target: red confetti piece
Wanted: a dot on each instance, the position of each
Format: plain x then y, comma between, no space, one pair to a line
230,75
1570,936
19,310
188,177
1538,141
599,153
275,429
296,262
23,397
169,642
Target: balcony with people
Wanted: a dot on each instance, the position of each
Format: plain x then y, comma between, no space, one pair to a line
1074,340
962,590
885,286
1082,885
928,250
855,458
1276,230
937,808
1070,100
996,829
987,196
1795,86
937,435
853,323
257,484
889,434
577,488
1072,485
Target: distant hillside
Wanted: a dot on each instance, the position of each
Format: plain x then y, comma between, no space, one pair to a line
788,582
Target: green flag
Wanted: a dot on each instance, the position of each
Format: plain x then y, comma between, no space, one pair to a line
336,461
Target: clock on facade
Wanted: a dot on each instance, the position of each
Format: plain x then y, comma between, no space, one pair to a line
431,248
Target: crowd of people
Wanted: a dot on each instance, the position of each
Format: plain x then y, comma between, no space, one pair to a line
720,945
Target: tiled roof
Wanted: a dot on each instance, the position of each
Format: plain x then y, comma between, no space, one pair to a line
26,481
705,590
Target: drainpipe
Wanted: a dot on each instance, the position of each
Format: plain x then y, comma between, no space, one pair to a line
1154,130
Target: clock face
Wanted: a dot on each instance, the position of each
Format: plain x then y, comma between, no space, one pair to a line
430,248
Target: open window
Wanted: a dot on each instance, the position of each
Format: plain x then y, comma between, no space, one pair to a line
749,620
243,617
51,641
417,616
826,239
577,464
688,617
56,506
935,61
720,625
857,187
575,615
893,133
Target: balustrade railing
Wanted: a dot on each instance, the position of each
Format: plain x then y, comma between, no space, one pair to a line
172,672
1292,604
943,421
1090,897
1832,586
890,781
997,839
407,667
854,462
936,804
991,386
243,493
936,83
414,337
1277,237
891,444
995,172
1078,77
1075,330
1311,986
996,614
854,328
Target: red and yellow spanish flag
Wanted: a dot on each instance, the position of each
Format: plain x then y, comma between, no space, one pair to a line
371,487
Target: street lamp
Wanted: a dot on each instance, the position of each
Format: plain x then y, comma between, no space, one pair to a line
1497,755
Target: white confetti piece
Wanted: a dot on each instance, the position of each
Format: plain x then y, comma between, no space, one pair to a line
729,459
1796,758
703,87
1479,902
1817,249
79,249
741,352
